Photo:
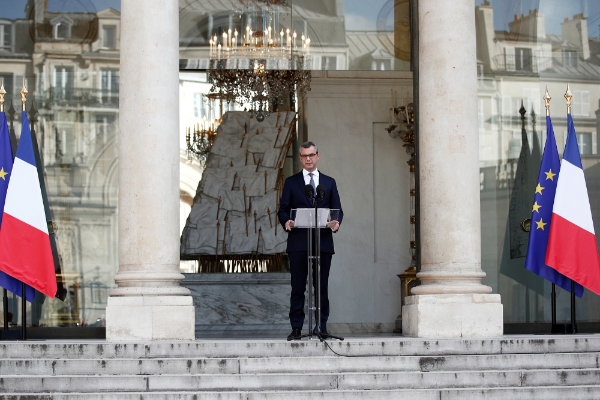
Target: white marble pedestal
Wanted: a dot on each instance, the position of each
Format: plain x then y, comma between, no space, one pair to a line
452,315
150,318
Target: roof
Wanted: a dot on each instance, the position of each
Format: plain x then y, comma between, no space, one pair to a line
559,42
84,28
324,29
506,36
376,43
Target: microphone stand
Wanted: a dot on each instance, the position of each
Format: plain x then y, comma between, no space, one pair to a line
317,259
311,257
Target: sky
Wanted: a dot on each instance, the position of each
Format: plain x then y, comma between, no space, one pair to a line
362,15
555,11
12,9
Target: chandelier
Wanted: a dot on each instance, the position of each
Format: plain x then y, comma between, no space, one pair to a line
200,137
199,140
263,64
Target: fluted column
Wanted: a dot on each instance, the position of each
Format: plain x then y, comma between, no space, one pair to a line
148,302
451,300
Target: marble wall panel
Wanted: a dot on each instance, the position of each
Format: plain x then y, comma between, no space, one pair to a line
242,303
346,118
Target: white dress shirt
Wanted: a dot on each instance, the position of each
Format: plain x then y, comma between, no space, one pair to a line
307,177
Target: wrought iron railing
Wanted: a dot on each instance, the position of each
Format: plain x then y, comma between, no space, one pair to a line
79,96
504,62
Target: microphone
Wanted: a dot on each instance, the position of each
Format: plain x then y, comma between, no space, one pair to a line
321,192
309,191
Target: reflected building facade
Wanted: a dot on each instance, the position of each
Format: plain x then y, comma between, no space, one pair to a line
71,63
515,65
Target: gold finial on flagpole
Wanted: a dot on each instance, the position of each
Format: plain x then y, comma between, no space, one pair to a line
24,93
547,99
2,93
568,96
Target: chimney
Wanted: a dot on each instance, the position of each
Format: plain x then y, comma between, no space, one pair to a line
532,25
575,31
41,6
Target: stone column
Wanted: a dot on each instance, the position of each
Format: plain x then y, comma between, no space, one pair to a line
451,301
149,304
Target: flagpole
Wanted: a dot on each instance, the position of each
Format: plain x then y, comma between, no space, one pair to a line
5,292
553,327
5,308
568,97
23,313
573,320
553,308
24,92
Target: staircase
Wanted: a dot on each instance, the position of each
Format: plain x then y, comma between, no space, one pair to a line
512,367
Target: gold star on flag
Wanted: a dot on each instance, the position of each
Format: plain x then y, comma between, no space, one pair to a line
550,175
541,224
3,174
536,207
539,189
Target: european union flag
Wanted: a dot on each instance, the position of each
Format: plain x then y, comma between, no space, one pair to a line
6,165
541,216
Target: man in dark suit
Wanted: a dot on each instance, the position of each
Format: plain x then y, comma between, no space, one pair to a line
292,197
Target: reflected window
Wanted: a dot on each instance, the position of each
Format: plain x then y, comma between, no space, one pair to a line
104,127
62,31
64,81
109,36
585,143
7,80
523,59
581,103
5,37
570,58
328,63
61,27
109,81
381,65
198,106
67,142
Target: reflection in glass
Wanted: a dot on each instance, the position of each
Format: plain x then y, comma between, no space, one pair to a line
70,57
519,53
348,35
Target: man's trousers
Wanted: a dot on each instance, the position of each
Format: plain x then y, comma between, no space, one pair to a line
299,272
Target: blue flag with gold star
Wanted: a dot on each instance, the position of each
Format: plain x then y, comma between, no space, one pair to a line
541,216
6,164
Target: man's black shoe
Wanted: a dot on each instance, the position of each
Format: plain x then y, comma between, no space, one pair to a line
295,335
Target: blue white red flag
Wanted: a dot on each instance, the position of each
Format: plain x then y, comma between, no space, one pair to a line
541,215
24,239
572,248
6,164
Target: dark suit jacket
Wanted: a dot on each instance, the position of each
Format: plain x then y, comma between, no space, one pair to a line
293,197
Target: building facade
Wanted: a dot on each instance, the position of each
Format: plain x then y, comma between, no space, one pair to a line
74,58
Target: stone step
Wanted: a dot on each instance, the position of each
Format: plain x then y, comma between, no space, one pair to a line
546,393
190,366
395,346
422,364
481,380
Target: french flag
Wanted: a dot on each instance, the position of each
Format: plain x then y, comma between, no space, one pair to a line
572,248
24,240
6,164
